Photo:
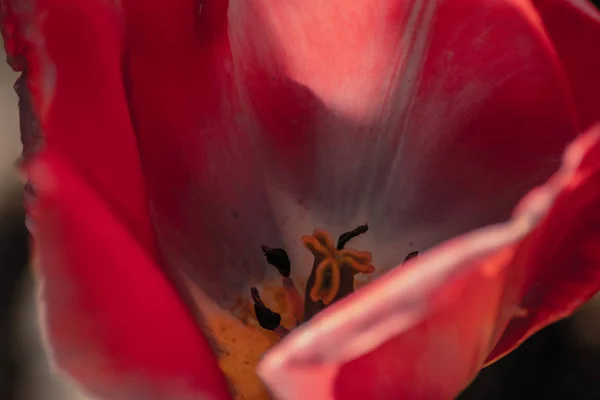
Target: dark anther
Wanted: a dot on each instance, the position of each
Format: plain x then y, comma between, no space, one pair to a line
347,236
267,318
411,255
277,258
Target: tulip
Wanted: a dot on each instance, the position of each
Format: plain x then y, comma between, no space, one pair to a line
191,165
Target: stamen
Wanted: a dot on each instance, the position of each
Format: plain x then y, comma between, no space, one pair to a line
410,256
278,258
347,236
281,331
266,318
293,297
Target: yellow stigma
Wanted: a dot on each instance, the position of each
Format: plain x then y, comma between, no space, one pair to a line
331,264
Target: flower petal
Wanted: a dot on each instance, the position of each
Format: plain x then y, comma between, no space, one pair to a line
111,318
558,265
425,330
71,54
411,117
574,27
207,199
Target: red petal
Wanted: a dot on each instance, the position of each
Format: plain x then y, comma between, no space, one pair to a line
557,268
74,54
202,180
424,331
423,115
112,320
574,28
421,332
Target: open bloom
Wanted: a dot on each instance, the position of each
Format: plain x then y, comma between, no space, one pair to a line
191,165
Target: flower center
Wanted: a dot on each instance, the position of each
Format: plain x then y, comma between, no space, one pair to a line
331,277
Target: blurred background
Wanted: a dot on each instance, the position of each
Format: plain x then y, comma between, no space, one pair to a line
24,373
560,362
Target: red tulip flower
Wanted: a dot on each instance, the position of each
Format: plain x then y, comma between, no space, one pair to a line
227,199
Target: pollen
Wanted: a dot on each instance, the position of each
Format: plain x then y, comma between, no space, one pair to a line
238,342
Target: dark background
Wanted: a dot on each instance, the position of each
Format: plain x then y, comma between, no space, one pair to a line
560,362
